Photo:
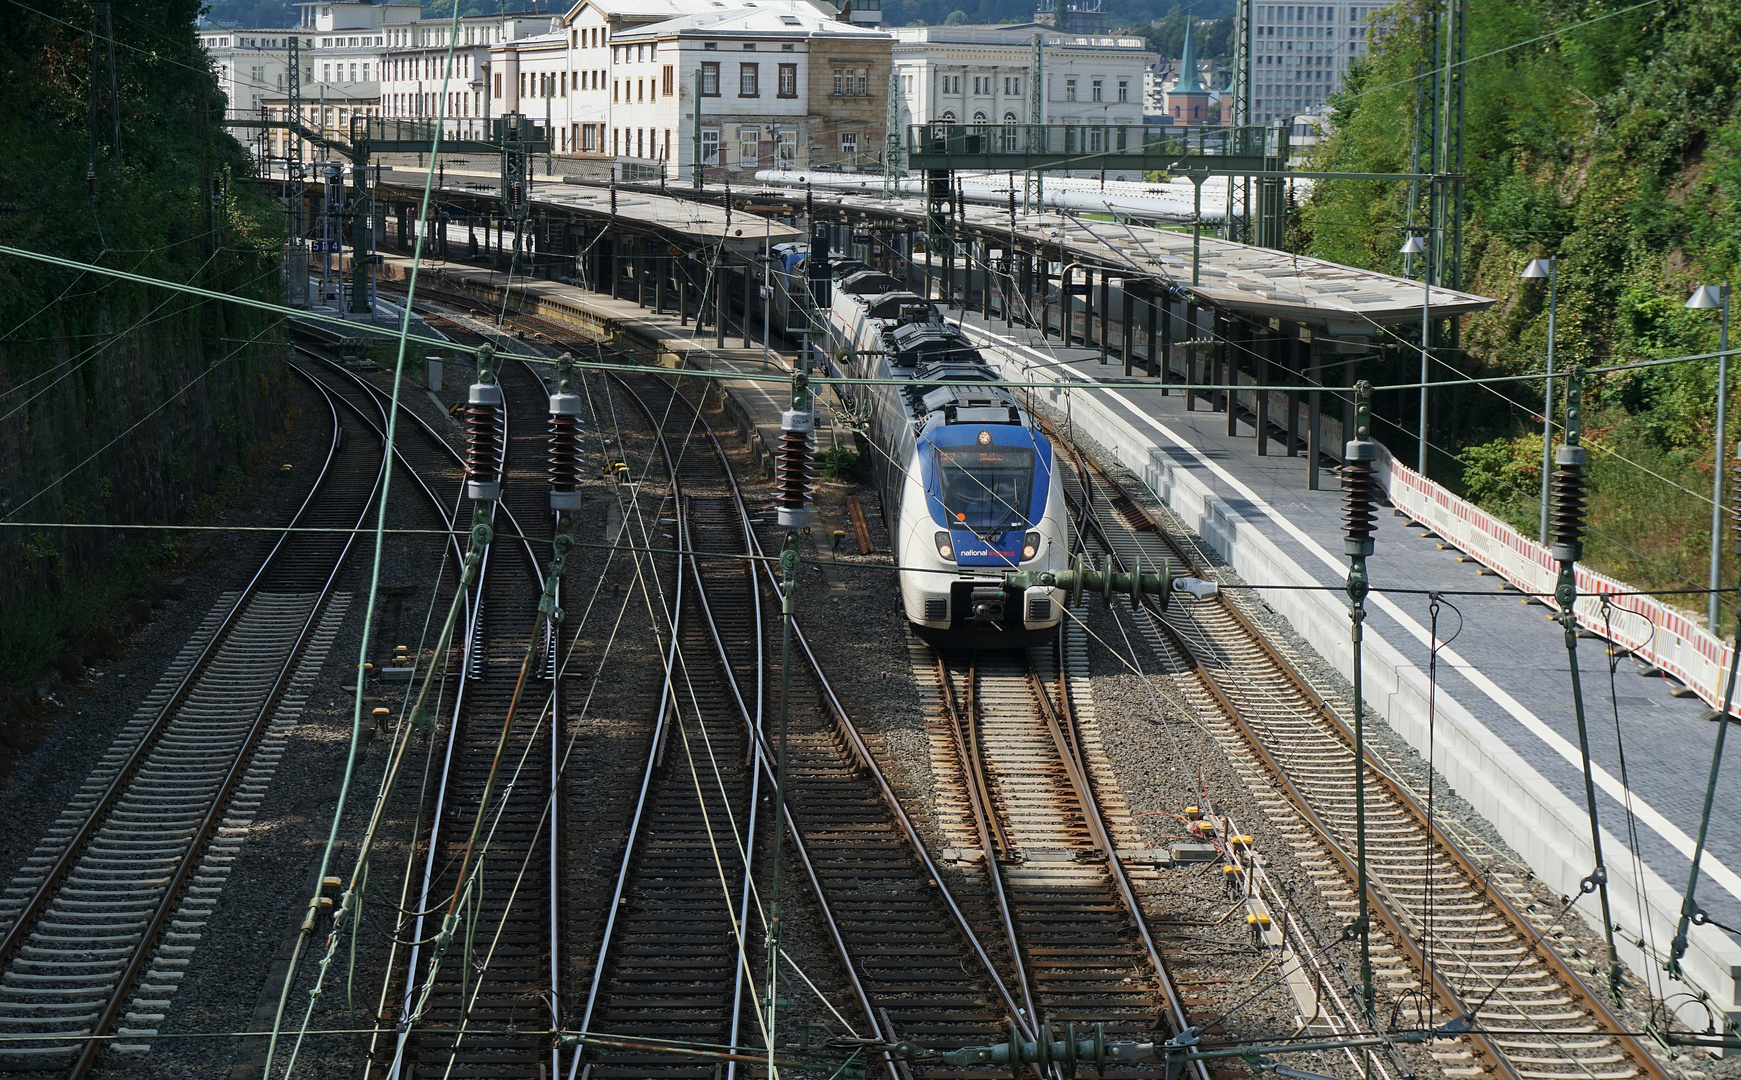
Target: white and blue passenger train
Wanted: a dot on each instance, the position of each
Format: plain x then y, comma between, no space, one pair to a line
969,486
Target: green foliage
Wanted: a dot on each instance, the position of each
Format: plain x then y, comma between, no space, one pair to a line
1505,476
36,630
845,465
168,198
1613,139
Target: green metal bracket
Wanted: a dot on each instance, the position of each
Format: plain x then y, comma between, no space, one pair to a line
1080,578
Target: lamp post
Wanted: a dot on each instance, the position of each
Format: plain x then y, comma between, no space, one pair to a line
1705,298
1417,245
1545,268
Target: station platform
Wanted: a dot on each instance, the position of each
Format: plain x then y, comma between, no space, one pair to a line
1506,736
677,343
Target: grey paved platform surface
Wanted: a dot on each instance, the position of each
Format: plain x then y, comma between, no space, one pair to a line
1514,656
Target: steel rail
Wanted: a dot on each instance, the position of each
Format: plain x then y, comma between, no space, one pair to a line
667,703
964,728
861,751
1079,782
166,906
1212,685
764,754
474,613
553,642
1530,940
20,929
739,975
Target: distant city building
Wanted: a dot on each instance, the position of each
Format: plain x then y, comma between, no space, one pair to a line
415,77
1075,17
759,84
1301,53
251,66
1187,100
983,75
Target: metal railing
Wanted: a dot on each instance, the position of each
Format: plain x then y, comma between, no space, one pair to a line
1137,140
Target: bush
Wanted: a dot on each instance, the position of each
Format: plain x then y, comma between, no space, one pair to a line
844,465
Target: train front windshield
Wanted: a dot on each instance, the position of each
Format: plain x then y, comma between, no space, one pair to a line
985,487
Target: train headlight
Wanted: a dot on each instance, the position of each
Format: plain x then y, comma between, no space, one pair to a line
945,547
1030,546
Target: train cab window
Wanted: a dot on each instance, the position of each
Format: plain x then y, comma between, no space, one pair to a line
985,487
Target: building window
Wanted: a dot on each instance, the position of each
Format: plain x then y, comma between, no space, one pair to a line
952,84
710,46
786,151
1009,133
710,146
747,80
849,145
749,148
614,85
1096,90
670,77
1012,84
710,80
1123,90
788,80
979,118
1069,89
326,73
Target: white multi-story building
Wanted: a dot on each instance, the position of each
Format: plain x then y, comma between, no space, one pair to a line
251,66
348,38
983,74
776,81
1301,53
415,76
340,43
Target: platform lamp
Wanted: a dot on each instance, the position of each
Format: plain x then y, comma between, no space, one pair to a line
1706,298
1546,268
1417,245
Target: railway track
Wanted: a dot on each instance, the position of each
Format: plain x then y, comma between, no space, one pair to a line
151,833
1450,942
1083,948
490,1001
895,929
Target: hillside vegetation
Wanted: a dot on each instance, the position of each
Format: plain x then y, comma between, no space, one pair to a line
121,403
1612,138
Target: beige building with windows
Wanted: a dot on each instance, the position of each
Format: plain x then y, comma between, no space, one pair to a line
739,85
